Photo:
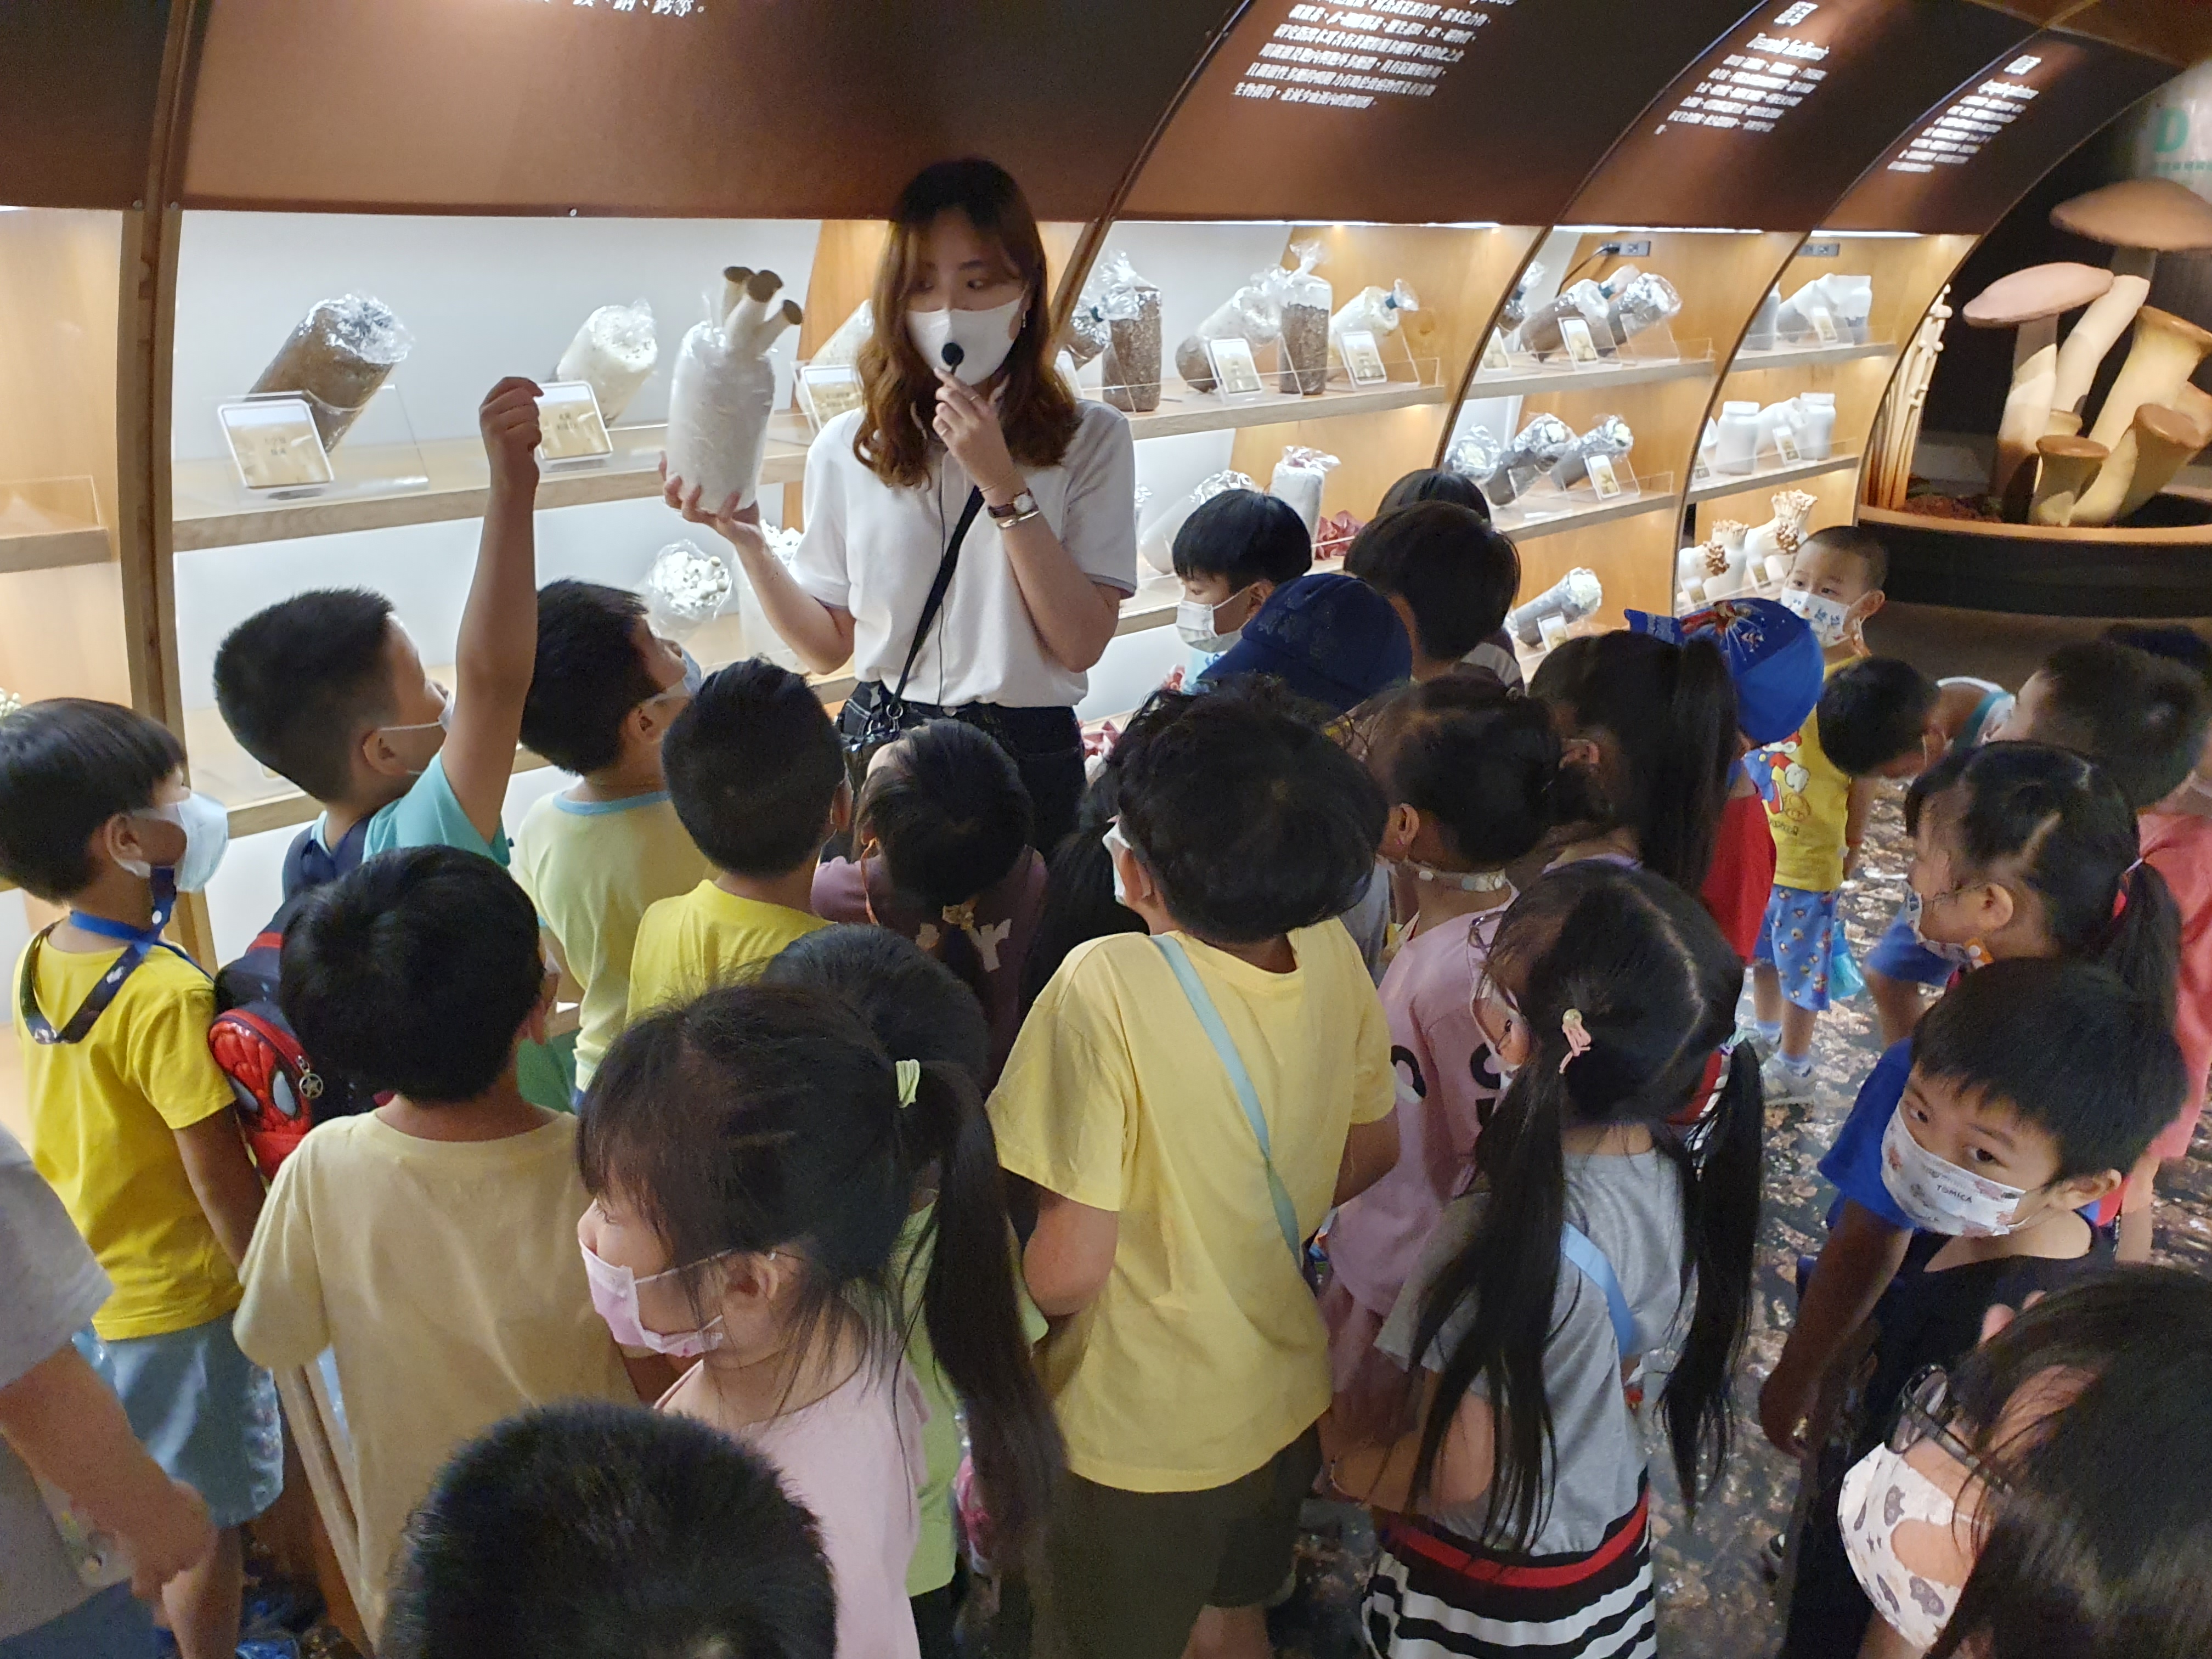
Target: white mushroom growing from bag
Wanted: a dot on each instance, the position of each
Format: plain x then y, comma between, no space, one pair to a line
723,391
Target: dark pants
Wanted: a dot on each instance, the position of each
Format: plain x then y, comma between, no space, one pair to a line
1046,744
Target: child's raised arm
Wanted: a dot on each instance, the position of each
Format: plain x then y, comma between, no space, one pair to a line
498,645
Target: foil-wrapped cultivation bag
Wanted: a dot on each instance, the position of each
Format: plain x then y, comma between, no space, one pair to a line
1540,443
337,358
1299,478
1156,541
1611,437
1642,300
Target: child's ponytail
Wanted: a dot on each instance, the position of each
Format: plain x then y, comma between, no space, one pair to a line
2143,943
971,1302
1722,1171
1689,782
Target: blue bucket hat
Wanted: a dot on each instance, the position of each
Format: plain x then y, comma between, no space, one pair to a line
1771,653
1329,637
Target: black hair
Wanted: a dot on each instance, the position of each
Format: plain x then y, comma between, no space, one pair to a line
764,1116
413,972
1656,986
2097,1550
1251,820
2141,717
1479,759
2087,1060
917,1007
67,766
1874,711
952,811
300,682
1245,536
589,674
1861,545
1079,888
2171,641
753,766
586,1528
1456,573
2060,820
1436,484
1670,711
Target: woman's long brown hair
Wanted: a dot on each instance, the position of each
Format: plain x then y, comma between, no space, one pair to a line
1037,412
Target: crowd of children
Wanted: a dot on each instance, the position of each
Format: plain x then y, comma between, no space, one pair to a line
1357,1103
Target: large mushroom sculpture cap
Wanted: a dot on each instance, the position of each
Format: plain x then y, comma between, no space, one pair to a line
2039,294
2143,217
2031,301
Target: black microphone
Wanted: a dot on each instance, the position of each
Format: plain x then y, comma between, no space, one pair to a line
951,353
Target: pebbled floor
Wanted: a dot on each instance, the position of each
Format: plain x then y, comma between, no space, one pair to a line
1714,1596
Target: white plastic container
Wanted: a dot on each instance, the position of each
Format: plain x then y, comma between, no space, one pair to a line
1816,424
615,352
1737,446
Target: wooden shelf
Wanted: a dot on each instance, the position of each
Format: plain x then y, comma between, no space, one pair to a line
1540,382
1197,412
1738,483
1629,506
1746,362
258,802
48,523
211,510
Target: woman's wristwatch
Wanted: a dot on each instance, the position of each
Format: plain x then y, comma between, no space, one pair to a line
1020,510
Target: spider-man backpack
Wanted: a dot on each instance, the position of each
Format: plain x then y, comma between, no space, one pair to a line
281,1094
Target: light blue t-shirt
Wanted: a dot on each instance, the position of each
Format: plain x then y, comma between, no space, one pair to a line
430,815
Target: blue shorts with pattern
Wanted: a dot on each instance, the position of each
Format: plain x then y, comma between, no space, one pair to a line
1798,939
205,1412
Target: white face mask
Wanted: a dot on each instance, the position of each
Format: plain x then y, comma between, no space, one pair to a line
1881,1493
206,824
1195,622
1115,845
1829,619
1938,1195
614,1299
1969,955
984,337
443,723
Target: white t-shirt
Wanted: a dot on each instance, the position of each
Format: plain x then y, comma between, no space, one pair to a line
873,549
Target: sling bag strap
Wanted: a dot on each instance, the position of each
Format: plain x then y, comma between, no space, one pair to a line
1209,1018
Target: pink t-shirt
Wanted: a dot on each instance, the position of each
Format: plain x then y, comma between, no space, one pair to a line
1447,1083
853,1460
2178,846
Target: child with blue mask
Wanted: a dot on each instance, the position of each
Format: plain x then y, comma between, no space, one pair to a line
1230,555
130,1116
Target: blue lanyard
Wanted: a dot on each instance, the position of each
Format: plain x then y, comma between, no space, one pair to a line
137,944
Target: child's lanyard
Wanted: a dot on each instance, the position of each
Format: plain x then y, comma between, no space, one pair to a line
1209,1018
1581,1252
138,947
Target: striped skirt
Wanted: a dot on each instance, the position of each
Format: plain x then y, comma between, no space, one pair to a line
1436,1595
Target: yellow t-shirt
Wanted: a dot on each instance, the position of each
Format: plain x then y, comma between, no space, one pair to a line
1807,800
593,868
103,1114
1204,1355
705,939
444,1278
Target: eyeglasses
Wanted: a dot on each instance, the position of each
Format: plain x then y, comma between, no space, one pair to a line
1927,1414
1490,995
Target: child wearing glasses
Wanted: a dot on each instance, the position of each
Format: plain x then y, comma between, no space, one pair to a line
2036,1082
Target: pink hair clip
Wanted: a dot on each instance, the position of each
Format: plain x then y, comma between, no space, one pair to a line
1577,1036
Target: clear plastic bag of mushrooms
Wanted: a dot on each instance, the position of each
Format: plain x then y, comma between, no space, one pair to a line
614,352
341,352
1253,312
723,391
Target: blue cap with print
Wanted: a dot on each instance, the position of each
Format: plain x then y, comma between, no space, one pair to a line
1771,653
1329,637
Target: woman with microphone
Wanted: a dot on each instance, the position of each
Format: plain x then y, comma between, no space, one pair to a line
970,530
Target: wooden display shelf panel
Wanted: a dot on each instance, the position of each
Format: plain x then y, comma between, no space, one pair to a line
49,524
212,511
1631,551
1751,502
1771,476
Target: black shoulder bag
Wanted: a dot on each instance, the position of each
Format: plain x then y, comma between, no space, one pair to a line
887,715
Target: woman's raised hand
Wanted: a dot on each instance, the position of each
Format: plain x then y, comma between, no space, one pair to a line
969,424
734,523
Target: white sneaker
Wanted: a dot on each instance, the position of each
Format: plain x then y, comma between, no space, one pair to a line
1748,1036
1783,1083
